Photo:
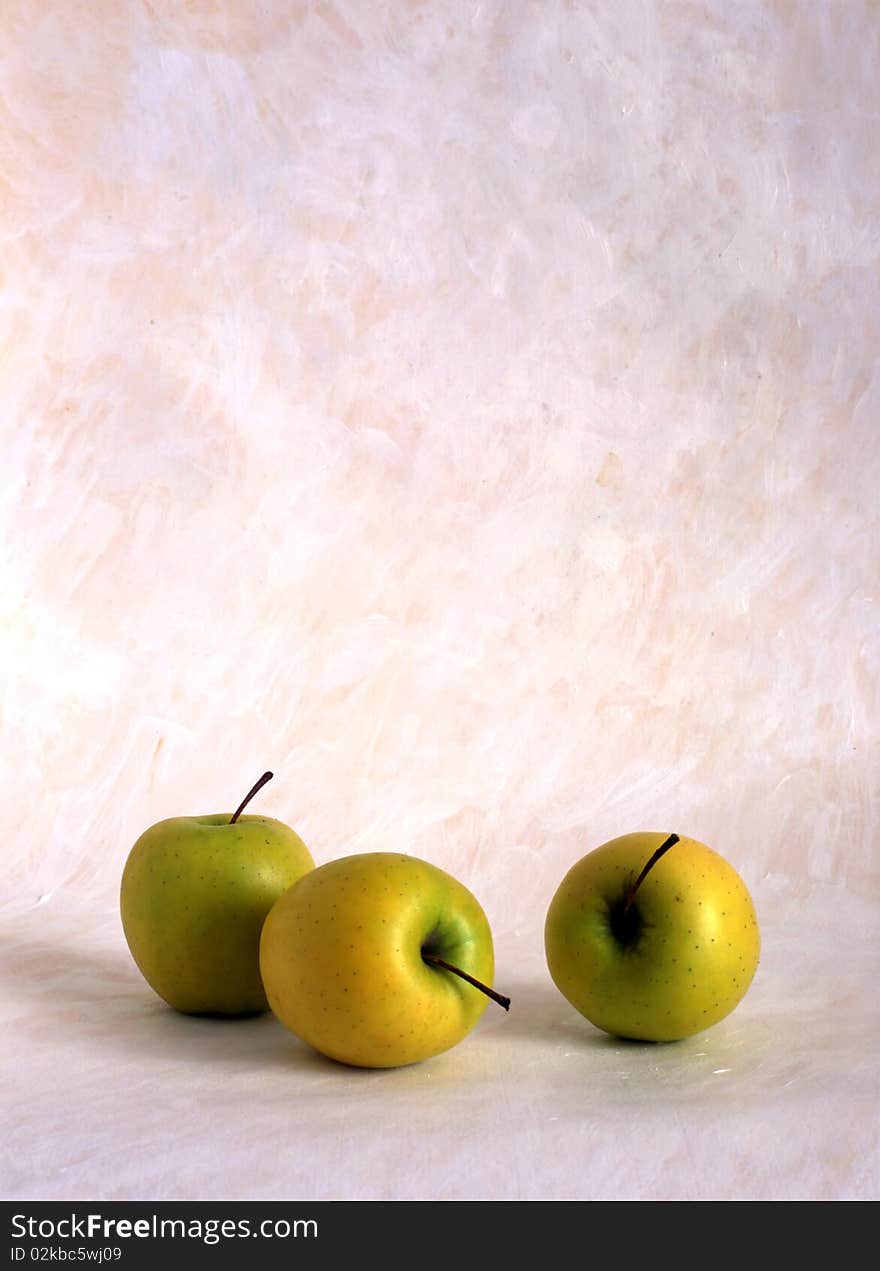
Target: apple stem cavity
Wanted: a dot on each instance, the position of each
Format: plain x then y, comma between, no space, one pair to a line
661,851
267,776
433,960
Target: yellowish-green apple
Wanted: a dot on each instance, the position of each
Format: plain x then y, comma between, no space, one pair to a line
378,960
195,893
652,937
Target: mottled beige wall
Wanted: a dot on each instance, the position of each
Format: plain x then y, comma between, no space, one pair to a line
468,410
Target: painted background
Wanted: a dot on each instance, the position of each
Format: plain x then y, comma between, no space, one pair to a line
468,411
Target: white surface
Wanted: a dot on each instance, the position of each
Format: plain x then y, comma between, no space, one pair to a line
118,1097
468,411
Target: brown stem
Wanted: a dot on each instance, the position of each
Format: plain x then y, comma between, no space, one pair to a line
496,997
661,851
267,776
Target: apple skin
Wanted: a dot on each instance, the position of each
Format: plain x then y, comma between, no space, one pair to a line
341,959
195,893
693,948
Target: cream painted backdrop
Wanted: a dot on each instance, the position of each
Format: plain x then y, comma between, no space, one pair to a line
469,411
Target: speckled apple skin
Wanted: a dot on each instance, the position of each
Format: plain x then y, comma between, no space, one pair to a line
341,958
697,952
194,895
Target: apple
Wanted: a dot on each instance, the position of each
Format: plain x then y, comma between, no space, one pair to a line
378,960
652,937
195,892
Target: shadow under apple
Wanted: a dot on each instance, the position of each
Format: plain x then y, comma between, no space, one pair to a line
540,1015
74,993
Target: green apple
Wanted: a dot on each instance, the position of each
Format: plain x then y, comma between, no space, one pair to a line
195,893
378,960
652,937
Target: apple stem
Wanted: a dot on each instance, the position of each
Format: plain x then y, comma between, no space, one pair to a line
447,966
267,776
661,851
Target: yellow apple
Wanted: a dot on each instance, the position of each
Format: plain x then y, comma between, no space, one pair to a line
378,960
194,895
652,936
